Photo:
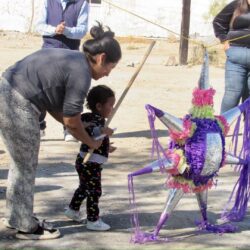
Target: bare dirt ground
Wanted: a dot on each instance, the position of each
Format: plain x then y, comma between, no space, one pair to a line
166,87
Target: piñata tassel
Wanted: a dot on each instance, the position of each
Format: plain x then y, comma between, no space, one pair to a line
156,146
219,229
242,187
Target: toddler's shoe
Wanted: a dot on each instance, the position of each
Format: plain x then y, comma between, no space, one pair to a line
98,225
74,215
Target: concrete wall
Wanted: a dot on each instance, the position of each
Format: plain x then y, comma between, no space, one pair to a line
166,13
16,15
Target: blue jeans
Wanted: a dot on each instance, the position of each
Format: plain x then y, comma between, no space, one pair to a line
237,77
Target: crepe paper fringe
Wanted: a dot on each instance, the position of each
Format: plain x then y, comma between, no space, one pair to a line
241,190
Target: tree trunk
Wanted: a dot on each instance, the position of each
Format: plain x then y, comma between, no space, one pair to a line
185,23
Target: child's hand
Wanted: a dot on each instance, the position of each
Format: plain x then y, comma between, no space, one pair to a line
111,148
107,131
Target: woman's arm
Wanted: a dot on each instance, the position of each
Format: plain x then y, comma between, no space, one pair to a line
76,128
41,26
221,22
81,28
57,116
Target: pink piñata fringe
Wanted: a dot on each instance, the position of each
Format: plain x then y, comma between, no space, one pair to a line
203,97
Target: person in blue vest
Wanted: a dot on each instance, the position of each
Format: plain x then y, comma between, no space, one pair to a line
56,81
62,23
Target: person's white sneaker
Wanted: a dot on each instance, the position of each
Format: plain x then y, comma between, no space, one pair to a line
98,225
68,137
74,215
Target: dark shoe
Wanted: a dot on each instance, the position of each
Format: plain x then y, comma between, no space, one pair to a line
43,232
6,223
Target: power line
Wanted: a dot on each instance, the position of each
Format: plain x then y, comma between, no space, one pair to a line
195,41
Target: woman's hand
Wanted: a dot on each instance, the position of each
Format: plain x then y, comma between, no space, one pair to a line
226,45
76,128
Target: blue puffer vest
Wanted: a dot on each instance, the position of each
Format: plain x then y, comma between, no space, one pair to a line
69,15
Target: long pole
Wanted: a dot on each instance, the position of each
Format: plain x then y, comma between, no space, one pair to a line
185,23
125,92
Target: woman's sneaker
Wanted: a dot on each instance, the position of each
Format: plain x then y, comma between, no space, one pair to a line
6,223
74,215
98,225
43,232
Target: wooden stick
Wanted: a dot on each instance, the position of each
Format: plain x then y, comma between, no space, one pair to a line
124,93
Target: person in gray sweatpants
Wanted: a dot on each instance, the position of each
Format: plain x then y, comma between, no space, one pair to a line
56,81
18,118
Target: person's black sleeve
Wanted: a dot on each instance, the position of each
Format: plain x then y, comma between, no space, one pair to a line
221,22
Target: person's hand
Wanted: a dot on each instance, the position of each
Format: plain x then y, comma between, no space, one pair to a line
111,148
226,45
94,144
60,28
107,131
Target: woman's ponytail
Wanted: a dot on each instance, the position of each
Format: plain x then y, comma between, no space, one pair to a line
103,41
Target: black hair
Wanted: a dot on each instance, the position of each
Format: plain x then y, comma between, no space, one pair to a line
98,94
102,42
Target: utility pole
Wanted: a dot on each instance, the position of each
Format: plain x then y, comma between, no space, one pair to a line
32,16
185,23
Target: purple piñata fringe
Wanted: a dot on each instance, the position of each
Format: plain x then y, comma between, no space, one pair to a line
241,190
195,149
156,146
133,210
220,229
236,135
138,236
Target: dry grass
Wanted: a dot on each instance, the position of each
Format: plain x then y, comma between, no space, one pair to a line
216,53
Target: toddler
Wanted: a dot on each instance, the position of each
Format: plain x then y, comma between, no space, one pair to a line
100,101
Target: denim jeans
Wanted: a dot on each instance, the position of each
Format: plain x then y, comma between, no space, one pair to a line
237,77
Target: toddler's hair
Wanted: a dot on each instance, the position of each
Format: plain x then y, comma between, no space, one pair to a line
98,94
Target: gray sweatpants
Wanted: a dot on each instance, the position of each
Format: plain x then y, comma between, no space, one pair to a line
19,128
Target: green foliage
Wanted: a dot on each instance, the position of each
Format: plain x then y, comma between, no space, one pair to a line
215,7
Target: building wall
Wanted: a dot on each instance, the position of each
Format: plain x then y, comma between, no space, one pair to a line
16,15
